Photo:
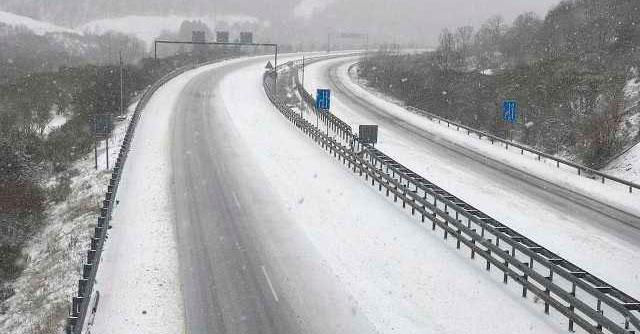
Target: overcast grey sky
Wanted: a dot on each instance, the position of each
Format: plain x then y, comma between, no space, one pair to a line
418,21
404,21
412,20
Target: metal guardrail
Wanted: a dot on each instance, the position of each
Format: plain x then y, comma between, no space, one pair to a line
80,303
507,143
583,298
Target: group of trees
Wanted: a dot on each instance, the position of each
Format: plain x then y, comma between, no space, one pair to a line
567,72
23,52
30,152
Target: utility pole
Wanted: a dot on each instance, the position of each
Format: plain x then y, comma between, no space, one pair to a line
275,69
366,45
121,85
95,120
106,141
329,43
95,146
301,98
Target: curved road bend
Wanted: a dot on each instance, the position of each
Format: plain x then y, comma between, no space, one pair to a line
557,196
615,230
245,268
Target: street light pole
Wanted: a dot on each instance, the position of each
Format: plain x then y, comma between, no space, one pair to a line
121,85
301,98
275,69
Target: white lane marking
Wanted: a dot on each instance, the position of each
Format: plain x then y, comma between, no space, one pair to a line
273,291
235,198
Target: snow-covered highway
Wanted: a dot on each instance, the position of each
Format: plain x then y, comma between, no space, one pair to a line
597,236
253,229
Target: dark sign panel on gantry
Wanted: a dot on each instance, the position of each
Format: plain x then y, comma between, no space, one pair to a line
368,133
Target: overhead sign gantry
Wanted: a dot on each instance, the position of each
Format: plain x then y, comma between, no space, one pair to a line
222,38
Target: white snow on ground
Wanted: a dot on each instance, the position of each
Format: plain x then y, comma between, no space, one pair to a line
56,121
611,192
38,27
595,248
627,165
632,90
404,278
148,28
138,278
488,72
43,291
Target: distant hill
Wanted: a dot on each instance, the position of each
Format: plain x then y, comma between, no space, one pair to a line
36,26
148,28
72,13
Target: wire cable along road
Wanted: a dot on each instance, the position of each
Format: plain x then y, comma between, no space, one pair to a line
583,298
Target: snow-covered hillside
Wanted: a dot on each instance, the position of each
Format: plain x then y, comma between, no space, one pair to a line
147,28
626,166
38,27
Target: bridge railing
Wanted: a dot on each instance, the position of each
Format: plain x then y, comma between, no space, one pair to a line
81,303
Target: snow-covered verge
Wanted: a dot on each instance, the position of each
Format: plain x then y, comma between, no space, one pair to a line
38,27
607,249
627,165
56,254
57,120
403,277
138,278
632,92
612,193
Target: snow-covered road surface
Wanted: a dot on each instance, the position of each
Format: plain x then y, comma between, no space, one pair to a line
582,234
233,221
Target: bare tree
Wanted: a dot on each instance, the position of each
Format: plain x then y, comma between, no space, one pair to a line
488,40
447,50
464,42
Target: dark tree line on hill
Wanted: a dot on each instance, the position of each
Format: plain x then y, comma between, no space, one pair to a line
28,156
567,72
23,52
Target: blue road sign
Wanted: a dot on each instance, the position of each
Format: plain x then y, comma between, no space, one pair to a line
323,99
510,110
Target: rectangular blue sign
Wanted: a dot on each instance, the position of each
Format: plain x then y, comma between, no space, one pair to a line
510,110
323,99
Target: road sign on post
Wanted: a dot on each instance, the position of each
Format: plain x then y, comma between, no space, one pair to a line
510,110
368,134
222,36
246,37
323,99
101,124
